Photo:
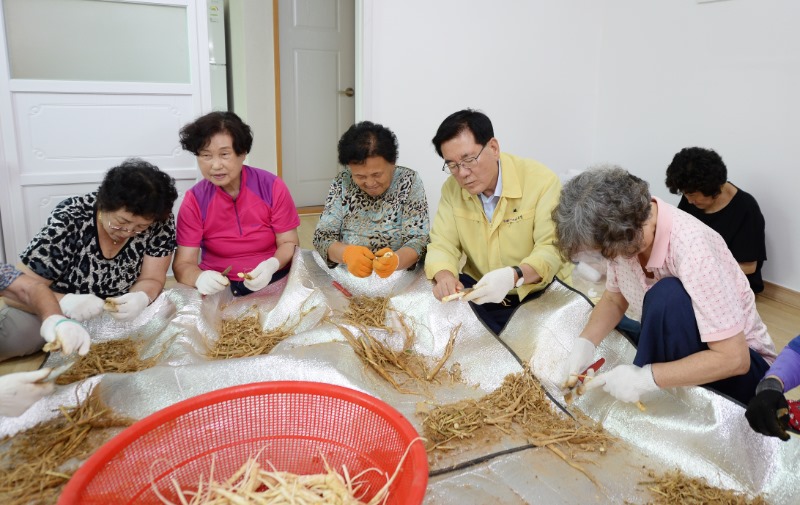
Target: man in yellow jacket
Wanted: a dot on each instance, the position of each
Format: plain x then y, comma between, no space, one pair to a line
495,210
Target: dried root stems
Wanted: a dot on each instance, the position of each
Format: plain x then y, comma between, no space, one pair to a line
676,487
113,356
34,468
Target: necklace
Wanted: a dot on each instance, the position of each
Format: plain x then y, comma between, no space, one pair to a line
100,222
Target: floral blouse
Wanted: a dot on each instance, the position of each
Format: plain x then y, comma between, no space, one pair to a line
397,218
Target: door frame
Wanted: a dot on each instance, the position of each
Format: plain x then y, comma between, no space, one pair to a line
14,225
363,55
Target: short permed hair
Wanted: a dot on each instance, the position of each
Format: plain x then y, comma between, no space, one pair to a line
138,187
195,136
468,119
603,209
696,169
364,140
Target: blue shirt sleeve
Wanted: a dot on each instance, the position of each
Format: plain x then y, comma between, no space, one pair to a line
8,274
787,365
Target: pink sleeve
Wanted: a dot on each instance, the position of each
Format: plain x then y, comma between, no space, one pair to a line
611,278
284,212
189,228
709,278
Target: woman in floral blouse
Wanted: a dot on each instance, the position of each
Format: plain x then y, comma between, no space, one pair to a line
376,213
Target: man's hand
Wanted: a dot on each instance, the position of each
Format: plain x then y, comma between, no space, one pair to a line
385,262
69,335
359,260
625,382
445,284
129,305
493,287
768,411
20,390
81,307
579,359
210,282
259,277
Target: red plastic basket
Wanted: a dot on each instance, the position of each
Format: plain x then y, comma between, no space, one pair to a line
293,424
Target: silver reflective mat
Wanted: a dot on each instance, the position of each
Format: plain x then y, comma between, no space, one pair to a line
700,432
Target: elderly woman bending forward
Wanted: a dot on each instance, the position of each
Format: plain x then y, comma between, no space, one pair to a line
106,250
699,324
376,213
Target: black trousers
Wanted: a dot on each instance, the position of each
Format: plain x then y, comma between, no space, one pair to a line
669,332
496,315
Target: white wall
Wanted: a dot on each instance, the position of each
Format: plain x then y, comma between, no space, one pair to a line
579,82
252,65
722,75
531,66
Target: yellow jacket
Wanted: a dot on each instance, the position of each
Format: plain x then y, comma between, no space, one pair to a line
521,231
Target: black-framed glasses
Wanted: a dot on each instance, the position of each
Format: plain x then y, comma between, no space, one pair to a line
468,163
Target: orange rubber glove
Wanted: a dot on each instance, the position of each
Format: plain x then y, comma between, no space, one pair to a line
359,260
385,262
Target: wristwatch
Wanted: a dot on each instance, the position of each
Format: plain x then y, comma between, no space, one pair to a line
520,276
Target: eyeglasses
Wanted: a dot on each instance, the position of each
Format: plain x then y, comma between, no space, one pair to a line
468,163
136,231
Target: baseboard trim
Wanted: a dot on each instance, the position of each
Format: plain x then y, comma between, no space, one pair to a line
313,209
781,294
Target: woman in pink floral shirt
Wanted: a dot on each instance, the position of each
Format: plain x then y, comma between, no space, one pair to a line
699,324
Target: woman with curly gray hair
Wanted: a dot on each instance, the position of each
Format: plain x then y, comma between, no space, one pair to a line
699,324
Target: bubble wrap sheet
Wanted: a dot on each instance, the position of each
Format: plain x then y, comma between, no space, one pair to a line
702,433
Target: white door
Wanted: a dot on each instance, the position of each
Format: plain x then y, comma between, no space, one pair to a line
317,81
109,81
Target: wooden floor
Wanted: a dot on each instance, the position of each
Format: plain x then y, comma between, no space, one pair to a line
782,320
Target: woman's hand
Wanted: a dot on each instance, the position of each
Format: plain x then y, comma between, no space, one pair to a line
768,411
259,277
129,305
385,263
18,391
210,282
626,383
359,260
71,336
81,307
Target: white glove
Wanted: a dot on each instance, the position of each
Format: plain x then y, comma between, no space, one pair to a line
625,382
210,282
81,307
129,305
493,287
579,359
261,275
18,391
71,335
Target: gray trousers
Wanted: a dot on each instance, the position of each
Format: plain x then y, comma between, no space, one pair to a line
19,333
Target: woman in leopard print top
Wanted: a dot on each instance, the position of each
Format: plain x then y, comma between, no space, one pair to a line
108,249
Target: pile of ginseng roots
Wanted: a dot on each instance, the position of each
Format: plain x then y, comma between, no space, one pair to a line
38,462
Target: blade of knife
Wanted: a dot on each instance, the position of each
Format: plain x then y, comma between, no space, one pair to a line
57,371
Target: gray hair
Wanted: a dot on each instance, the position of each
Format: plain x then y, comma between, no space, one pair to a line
603,209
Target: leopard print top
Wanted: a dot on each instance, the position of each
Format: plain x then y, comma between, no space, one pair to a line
398,218
67,251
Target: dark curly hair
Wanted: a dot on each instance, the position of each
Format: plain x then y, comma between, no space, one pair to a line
468,119
364,140
602,209
195,136
138,187
696,169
